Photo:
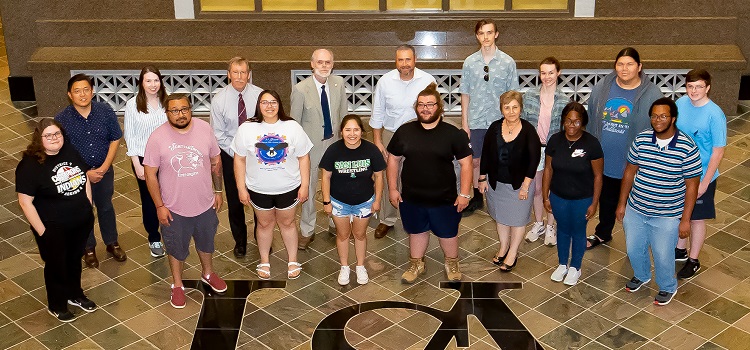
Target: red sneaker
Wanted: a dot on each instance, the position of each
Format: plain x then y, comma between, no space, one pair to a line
215,282
178,297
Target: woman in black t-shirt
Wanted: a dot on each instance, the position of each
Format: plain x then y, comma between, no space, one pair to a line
571,186
352,185
55,197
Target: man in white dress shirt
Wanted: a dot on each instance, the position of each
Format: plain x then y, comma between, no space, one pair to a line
230,107
392,106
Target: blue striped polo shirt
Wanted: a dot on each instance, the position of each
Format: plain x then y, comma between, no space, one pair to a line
659,185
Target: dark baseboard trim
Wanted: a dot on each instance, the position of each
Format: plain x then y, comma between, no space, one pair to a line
745,88
21,88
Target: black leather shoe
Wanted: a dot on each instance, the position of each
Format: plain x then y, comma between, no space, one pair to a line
239,251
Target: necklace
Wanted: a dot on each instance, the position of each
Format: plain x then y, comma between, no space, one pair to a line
510,128
570,144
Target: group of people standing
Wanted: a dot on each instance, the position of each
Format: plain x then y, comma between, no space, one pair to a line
635,162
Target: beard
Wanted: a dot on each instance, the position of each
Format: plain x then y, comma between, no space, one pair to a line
177,124
322,74
429,119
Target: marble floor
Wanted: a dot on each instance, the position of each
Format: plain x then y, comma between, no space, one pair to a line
488,310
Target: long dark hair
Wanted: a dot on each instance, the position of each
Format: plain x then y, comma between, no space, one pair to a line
141,102
258,117
36,149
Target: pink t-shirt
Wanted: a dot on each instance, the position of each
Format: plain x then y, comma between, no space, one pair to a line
184,162
543,125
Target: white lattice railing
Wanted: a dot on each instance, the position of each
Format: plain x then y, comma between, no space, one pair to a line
116,87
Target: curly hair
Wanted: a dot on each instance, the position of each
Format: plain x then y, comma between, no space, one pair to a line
36,149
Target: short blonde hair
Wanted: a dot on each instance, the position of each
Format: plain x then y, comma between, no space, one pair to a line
238,60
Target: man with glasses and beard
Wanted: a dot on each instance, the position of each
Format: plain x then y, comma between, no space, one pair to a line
657,196
429,200
183,173
486,74
392,106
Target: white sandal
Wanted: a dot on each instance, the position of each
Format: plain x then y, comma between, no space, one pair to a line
291,273
259,270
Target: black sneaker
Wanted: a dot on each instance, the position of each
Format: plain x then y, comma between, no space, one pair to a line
688,271
64,316
635,284
680,254
84,303
663,298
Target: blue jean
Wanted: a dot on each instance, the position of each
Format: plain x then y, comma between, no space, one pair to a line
102,193
658,233
571,228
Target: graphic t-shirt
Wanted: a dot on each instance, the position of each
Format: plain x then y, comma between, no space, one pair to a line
428,177
572,174
58,186
616,120
352,170
272,150
184,163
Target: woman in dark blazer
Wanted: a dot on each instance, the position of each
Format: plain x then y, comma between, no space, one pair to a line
510,156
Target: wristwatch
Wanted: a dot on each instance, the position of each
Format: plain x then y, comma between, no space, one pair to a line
326,203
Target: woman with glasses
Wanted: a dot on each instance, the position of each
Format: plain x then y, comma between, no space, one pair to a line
352,186
55,197
275,177
542,107
510,156
571,188
143,114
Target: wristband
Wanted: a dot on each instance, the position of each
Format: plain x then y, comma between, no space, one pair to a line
326,203
482,180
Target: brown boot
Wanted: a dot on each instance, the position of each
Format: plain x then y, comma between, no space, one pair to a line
117,252
416,268
89,258
382,230
452,270
303,241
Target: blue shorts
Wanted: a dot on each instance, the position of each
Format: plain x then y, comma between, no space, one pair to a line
442,221
363,210
704,207
476,141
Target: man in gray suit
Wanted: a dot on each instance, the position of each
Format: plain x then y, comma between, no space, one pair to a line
318,104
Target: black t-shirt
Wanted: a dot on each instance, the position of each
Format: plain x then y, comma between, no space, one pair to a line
58,186
351,181
573,176
428,176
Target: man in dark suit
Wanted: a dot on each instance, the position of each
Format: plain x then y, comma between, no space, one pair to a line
318,104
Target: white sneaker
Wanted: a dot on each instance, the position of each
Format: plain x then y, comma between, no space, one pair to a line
536,231
344,275
559,273
572,278
550,236
362,277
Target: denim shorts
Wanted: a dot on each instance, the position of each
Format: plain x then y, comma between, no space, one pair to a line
363,210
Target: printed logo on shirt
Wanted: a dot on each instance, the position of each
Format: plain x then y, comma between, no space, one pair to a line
352,167
271,149
578,153
186,161
68,179
616,115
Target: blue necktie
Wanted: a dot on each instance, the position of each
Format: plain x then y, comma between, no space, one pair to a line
327,128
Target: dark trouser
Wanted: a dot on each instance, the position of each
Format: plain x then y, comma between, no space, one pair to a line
61,247
571,228
148,210
102,193
236,209
607,207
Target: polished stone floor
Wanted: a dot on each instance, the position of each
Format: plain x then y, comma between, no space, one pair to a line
520,310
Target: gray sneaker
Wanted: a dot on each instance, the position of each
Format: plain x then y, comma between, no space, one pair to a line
663,298
157,249
635,284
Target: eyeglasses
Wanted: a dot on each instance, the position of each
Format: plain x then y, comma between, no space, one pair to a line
81,91
695,87
267,103
660,118
569,122
183,110
430,105
486,73
52,136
